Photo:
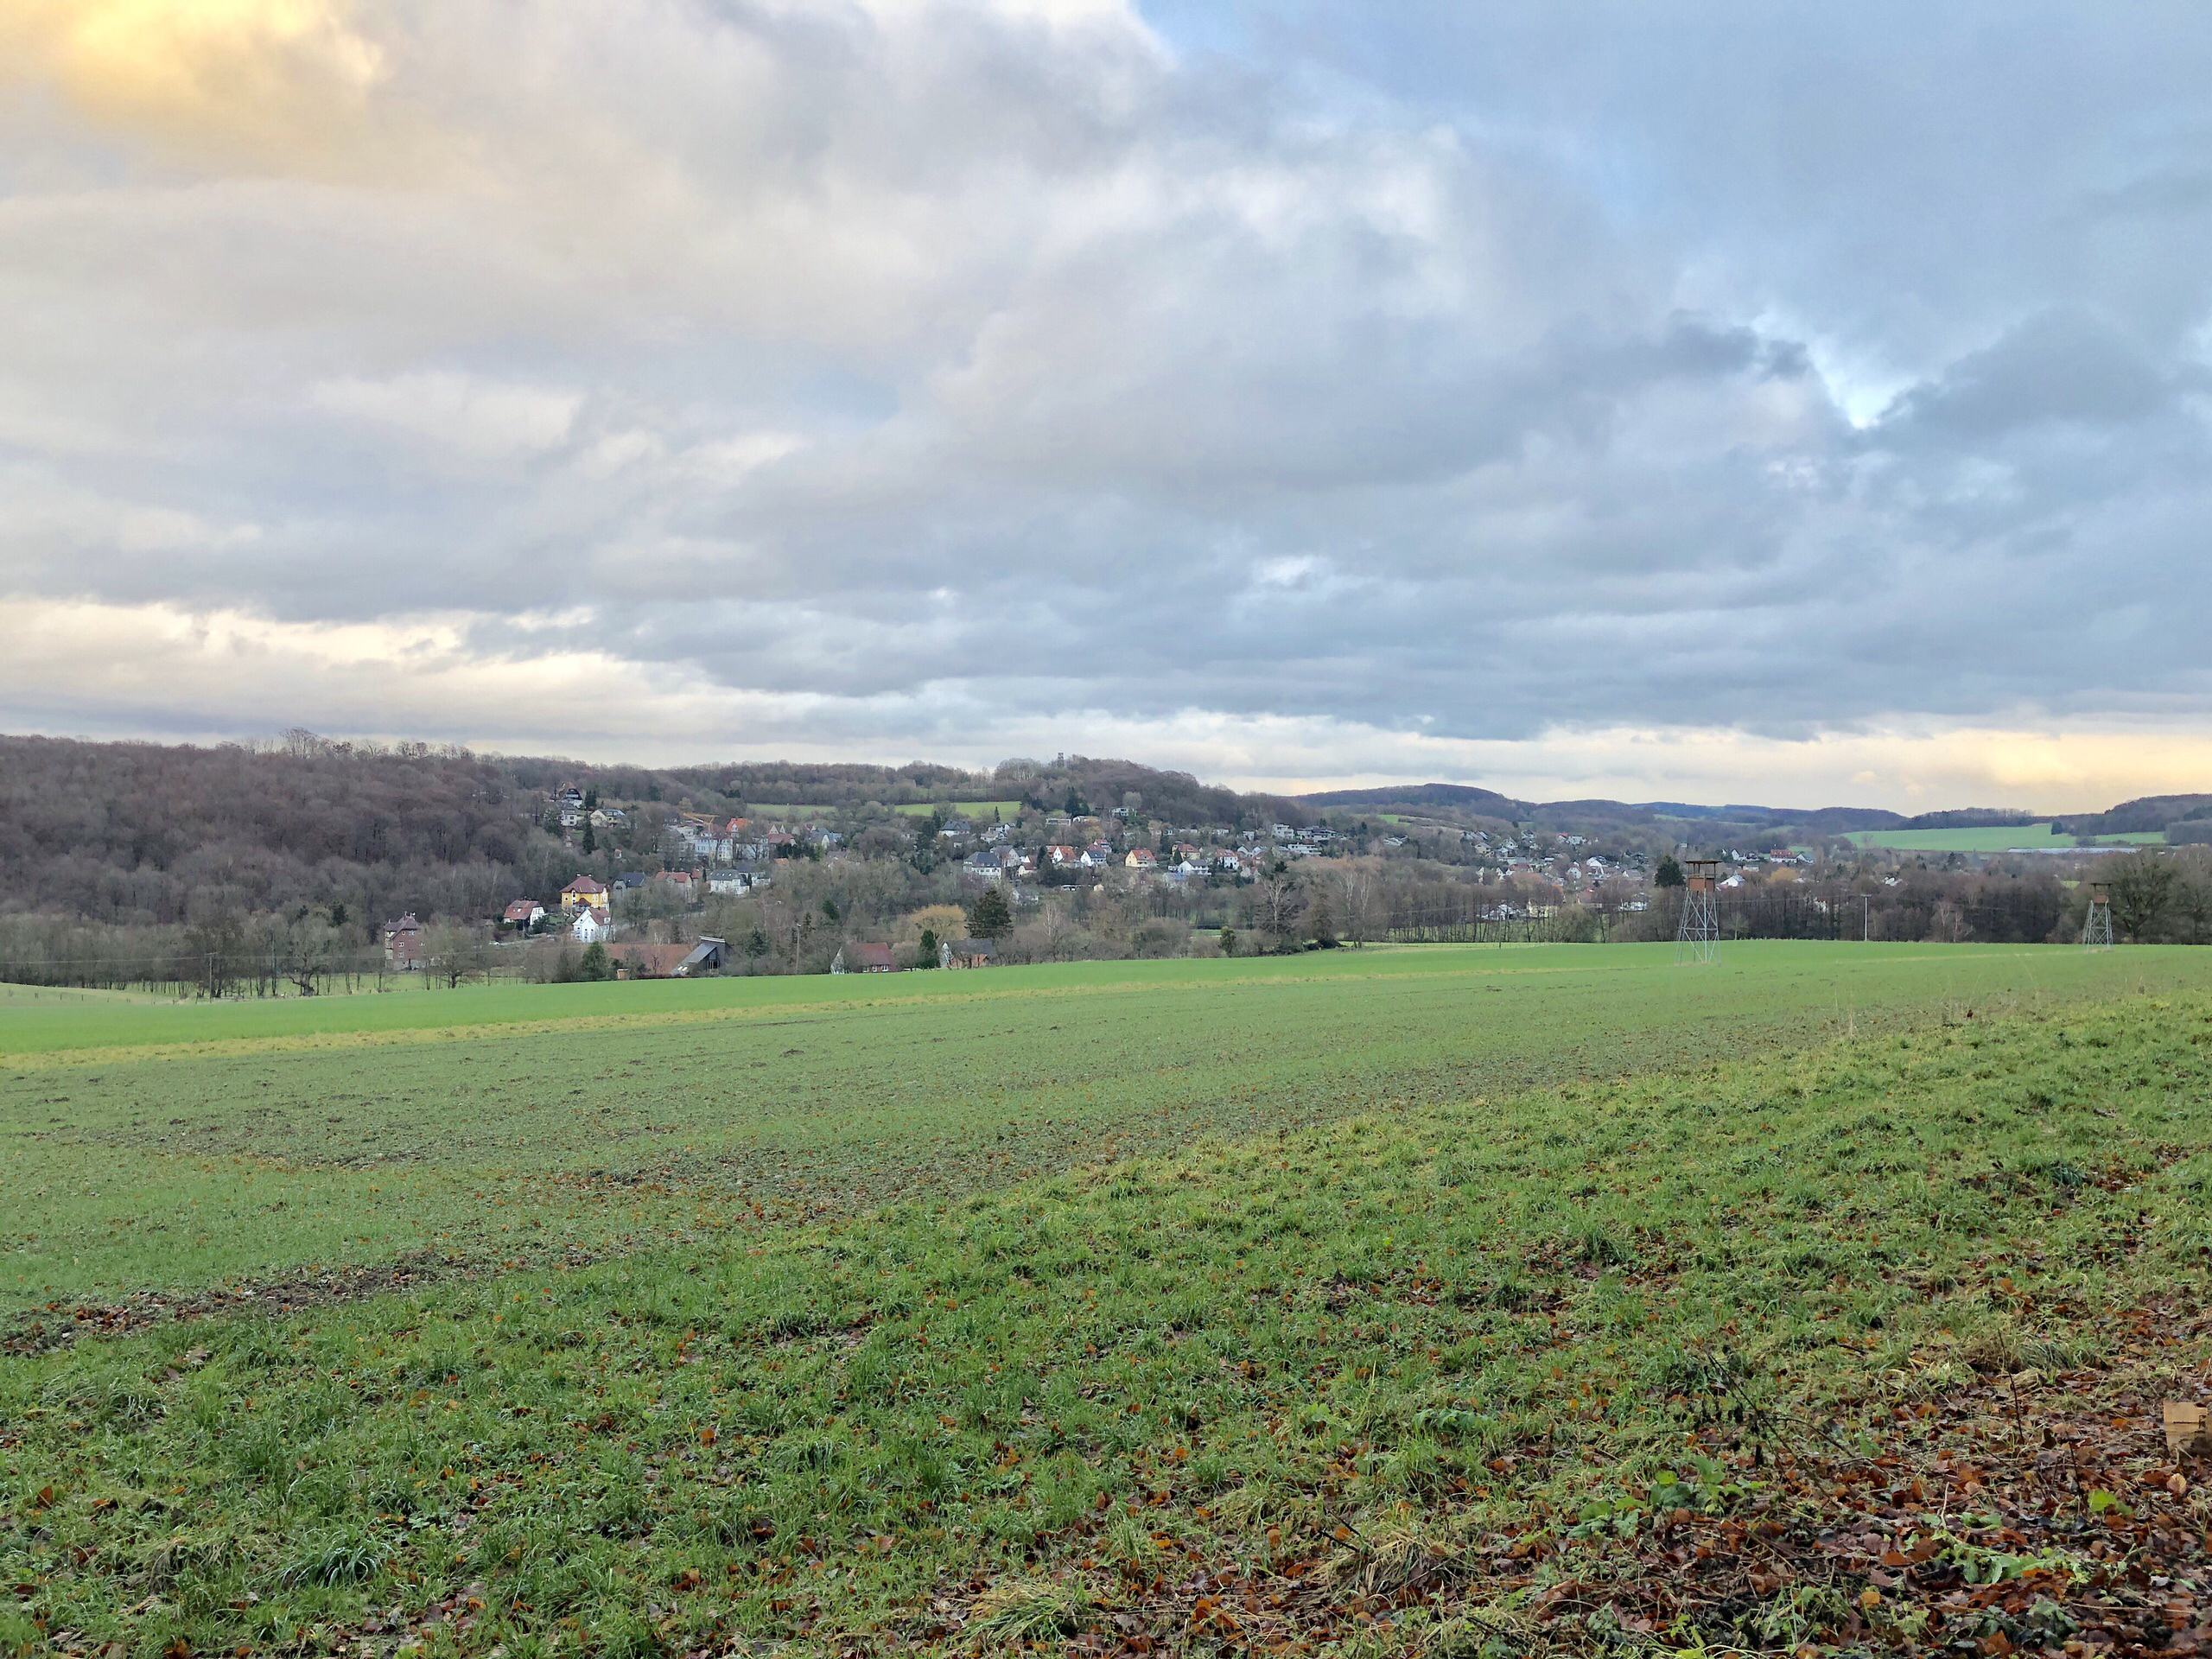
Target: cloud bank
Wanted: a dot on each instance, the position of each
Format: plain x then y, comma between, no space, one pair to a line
1572,399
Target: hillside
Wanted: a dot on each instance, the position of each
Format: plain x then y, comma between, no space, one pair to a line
148,834
2149,813
1460,797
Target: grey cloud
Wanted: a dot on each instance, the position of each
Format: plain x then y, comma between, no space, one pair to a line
1467,371
2060,366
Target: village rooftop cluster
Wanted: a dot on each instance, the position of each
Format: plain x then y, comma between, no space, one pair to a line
680,862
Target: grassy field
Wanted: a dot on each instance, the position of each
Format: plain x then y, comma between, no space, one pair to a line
2031,837
297,1145
1008,811
1857,1345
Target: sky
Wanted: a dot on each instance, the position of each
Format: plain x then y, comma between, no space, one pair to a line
1810,405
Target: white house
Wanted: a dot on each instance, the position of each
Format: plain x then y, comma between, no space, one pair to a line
589,928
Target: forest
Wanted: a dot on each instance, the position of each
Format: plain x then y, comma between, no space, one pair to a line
148,834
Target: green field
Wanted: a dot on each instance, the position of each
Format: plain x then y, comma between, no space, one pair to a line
2031,837
1553,1299
300,1143
1008,811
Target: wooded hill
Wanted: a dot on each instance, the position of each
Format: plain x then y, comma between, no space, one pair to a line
154,834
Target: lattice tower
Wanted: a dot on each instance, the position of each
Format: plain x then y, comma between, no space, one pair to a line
1698,938
2096,926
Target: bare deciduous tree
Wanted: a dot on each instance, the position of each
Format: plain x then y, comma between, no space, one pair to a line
1278,902
1356,886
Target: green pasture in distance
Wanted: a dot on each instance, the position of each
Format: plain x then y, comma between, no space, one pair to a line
1310,1360
331,1135
2031,837
1008,811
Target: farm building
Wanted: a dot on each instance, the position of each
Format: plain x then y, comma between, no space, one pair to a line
865,959
671,961
964,953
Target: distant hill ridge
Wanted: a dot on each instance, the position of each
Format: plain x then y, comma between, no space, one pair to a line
146,833
1824,820
2188,816
2150,812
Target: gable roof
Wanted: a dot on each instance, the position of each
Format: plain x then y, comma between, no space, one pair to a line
709,952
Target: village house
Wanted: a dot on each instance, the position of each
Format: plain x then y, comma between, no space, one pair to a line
1140,858
692,841
864,959
1061,855
964,953
523,912
403,944
590,927
585,893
